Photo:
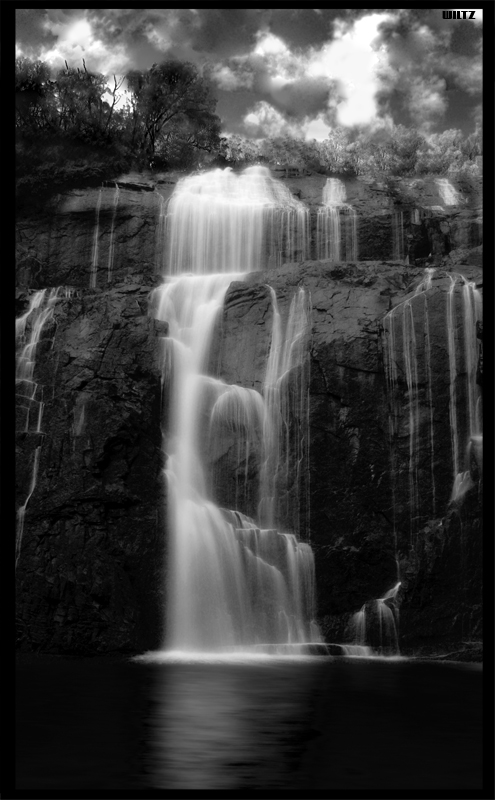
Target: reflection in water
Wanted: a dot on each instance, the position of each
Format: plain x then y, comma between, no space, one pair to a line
256,724
227,726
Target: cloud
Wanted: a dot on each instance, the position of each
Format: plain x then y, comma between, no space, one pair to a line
316,128
231,78
73,38
312,69
339,77
419,68
264,120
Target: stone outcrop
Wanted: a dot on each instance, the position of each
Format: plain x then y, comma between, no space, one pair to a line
91,570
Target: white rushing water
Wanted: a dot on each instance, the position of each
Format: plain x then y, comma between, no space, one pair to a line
449,194
233,581
375,626
463,355
29,393
111,245
409,359
234,223
95,252
336,225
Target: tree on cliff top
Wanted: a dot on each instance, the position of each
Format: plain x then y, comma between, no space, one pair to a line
171,108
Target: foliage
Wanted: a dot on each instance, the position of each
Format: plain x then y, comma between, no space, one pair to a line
76,123
397,151
171,111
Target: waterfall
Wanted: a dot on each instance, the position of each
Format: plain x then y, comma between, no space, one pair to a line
160,233
111,246
471,314
449,195
335,214
29,394
231,223
96,244
399,323
451,325
28,330
408,361
234,582
413,373
374,626
287,354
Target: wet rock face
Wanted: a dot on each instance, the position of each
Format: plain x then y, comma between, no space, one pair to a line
90,572
365,520
118,230
117,226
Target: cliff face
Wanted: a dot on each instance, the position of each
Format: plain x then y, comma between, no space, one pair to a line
91,566
366,523
117,231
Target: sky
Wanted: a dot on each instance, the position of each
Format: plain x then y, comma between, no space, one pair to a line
301,72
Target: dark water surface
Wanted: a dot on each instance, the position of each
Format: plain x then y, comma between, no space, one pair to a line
312,723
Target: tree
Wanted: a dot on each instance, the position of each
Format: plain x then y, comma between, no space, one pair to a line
441,152
336,154
34,97
167,101
405,144
83,111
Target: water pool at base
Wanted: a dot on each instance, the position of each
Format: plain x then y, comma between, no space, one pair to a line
258,723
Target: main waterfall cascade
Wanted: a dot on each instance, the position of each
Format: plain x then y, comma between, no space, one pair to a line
336,225
236,457
234,582
230,223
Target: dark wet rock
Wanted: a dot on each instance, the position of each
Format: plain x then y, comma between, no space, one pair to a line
56,245
91,575
90,571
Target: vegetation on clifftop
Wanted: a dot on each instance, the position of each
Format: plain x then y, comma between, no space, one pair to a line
79,128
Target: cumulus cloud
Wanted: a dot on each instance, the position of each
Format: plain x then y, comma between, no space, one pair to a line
264,120
76,39
339,77
304,70
232,77
420,68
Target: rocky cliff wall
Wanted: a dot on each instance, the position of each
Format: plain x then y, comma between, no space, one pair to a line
91,569
367,530
117,231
